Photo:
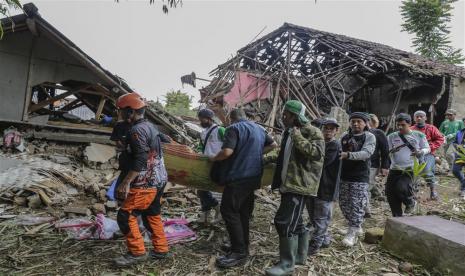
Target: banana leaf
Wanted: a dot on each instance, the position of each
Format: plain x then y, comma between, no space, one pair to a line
187,168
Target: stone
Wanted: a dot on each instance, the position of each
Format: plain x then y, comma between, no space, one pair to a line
111,205
98,208
433,242
102,195
373,235
20,201
34,201
59,159
77,210
99,153
405,267
89,175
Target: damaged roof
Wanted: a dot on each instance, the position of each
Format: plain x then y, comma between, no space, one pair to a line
110,85
308,43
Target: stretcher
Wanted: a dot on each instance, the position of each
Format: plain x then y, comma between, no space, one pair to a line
188,168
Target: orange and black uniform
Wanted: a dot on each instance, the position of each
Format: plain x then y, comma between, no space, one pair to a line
144,155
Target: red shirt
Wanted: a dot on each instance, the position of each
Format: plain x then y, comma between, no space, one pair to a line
433,135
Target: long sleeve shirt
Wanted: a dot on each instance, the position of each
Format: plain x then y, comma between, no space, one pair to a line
380,157
433,136
450,128
401,155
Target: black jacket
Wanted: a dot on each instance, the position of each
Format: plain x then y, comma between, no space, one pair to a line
380,158
330,176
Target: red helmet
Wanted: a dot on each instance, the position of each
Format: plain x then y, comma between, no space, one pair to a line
131,100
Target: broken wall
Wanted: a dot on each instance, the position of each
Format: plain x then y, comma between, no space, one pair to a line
458,97
14,56
27,61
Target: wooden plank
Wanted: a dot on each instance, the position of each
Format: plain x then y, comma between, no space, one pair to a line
73,137
51,100
101,104
28,96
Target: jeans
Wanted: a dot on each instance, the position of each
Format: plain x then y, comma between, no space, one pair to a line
430,170
237,205
399,190
207,201
320,213
457,170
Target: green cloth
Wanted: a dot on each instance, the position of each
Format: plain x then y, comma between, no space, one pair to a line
296,108
450,128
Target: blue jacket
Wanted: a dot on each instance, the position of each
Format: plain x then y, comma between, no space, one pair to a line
246,161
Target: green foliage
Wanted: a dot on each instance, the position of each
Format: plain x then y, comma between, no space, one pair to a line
417,172
167,4
5,7
179,103
428,21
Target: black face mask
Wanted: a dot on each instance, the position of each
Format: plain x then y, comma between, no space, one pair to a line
421,125
205,125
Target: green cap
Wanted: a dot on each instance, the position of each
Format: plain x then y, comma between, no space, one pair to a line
298,109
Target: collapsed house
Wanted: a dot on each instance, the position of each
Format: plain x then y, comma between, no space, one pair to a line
44,76
326,71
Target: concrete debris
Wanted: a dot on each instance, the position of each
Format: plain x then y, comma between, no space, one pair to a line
77,210
98,208
431,241
34,201
63,160
99,153
39,120
111,205
406,267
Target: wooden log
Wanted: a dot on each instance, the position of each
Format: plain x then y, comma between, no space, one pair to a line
73,137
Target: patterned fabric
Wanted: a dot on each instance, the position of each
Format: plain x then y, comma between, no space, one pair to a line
352,200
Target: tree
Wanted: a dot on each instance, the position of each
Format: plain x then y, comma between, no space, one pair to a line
5,7
428,21
179,103
167,4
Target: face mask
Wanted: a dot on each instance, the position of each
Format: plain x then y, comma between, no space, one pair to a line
204,125
421,124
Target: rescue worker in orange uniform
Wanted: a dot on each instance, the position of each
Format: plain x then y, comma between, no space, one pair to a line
142,187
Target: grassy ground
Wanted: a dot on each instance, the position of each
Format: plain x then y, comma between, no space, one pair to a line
43,251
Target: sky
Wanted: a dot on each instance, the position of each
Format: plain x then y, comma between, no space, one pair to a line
152,50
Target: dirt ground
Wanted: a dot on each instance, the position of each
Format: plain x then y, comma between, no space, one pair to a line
41,250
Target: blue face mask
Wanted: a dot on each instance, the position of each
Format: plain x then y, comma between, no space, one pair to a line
421,125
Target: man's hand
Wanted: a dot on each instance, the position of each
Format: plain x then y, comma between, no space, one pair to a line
122,191
417,153
384,172
344,155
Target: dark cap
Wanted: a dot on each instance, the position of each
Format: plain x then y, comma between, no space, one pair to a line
330,121
360,115
404,117
206,113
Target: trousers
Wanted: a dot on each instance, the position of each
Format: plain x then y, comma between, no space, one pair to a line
320,213
352,201
288,219
144,202
237,205
399,191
